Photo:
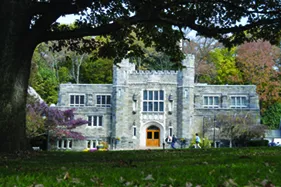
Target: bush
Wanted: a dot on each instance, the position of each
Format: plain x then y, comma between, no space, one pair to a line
104,144
257,143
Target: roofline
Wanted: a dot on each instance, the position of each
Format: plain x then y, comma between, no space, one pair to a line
203,84
87,84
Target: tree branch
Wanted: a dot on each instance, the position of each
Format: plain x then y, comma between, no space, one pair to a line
61,7
51,11
211,32
100,30
226,2
151,18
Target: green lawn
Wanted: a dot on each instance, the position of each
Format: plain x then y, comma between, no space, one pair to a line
209,167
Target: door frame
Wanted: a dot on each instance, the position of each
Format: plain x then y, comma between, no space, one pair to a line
145,125
154,142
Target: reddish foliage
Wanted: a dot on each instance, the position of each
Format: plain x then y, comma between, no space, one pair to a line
258,63
200,47
59,123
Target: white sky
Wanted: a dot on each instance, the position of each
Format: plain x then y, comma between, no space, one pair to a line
68,19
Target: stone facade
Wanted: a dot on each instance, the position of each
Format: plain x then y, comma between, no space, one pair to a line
142,108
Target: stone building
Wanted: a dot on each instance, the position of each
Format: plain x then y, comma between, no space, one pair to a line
142,108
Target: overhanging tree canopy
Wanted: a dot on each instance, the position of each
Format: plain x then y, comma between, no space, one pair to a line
28,22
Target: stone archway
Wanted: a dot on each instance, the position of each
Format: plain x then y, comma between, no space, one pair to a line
151,126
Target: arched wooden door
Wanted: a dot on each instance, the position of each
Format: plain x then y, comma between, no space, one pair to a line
153,136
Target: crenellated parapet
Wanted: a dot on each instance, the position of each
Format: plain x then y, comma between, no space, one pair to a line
154,72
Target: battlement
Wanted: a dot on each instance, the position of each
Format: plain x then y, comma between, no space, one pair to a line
126,72
154,72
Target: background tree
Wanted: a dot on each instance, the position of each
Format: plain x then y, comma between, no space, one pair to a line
239,127
76,62
153,60
148,58
44,80
272,116
44,73
257,62
51,68
46,84
51,58
30,22
201,47
97,71
226,71
64,74
252,63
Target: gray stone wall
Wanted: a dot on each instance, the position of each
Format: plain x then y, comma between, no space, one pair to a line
225,92
89,90
202,114
101,133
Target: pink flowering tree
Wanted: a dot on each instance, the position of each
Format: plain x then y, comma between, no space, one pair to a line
42,119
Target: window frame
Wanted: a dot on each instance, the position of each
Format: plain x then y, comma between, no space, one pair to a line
95,123
171,131
134,131
213,101
77,104
241,105
153,101
105,104
64,144
93,143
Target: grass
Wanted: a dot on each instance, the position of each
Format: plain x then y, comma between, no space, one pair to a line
186,167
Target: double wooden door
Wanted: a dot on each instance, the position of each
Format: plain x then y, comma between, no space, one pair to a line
153,136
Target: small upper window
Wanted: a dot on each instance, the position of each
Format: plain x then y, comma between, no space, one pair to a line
103,101
77,100
238,101
211,101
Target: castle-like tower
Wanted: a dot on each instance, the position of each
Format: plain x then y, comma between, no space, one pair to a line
152,104
186,98
121,101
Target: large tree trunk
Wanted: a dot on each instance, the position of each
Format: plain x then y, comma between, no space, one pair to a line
16,49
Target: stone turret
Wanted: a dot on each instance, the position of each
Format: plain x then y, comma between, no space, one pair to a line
185,98
188,71
120,96
121,72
